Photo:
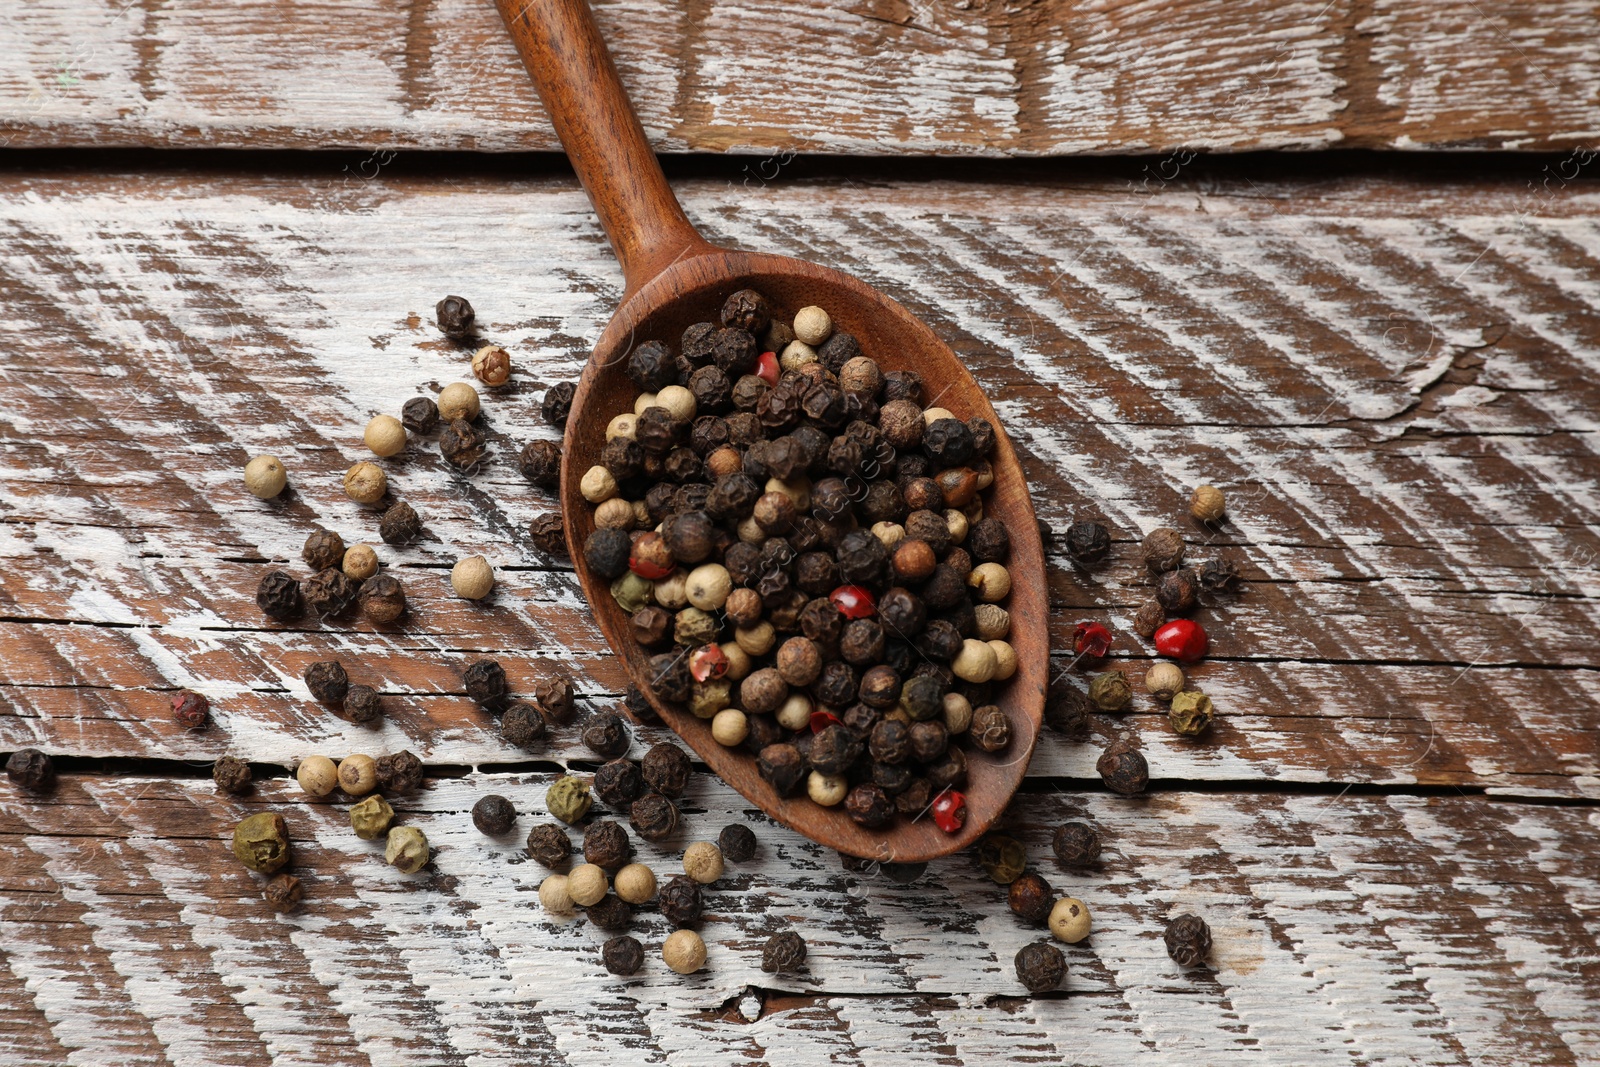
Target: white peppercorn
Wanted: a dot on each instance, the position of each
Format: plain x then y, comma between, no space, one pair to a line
991,581
360,562
1005,660
684,951
597,484
385,435
358,775
365,483
1069,920
265,477
586,884
796,354
1208,504
827,789
976,662
635,883
555,898
458,401
812,325
708,586
702,861
730,726
957,713
994,622
616,513
678,400
317,775
1164,680
624,426
472,578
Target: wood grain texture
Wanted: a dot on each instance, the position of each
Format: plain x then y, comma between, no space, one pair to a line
1051,77
1347,929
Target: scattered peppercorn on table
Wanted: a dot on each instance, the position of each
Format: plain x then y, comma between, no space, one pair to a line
315,754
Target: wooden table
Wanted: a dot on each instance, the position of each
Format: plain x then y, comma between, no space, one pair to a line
1390,364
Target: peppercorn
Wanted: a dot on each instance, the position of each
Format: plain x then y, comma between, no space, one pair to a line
548,534
890,742
485,682
278,596
940,640
1191,713
669,676
950,771
420,415
283,893
327,681
833,750
491,365
990,729
358,775
385,435
554,897
557,403
680,901
383,599
988,541
1087,542
880,687
455,317
827,790
365,483
461,444
1123,769
606,845
923,494
399,773
400,525
323,549
1162,549
1040,967
782,767
697,342
549,845
610,913
1217,577
260,842
862,642
328,592
1149,618
634,883
606,735
654,816
406,849
522,725
190,710
683,951
568,799
784,953
370,817
1175,592
317,775
1188,939
360,563
1003,858
493,815
869,805
1164,681
231,775
540,462
1076,844
928,740
1110,691
622,956
265,477
747,393
914,799
737,842
1030,898
747,310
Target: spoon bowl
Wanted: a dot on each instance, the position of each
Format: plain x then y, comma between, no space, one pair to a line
675,278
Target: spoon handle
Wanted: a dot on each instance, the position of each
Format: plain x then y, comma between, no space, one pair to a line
570,66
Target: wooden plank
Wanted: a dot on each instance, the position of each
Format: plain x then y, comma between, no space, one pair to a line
1395,386
1055,77
1347,928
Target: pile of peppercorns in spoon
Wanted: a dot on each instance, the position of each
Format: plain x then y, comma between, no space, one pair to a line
799,538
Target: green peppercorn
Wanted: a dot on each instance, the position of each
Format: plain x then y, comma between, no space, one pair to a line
407,849
261,842
370,818
568,799
1110,691
1191,713
1002,858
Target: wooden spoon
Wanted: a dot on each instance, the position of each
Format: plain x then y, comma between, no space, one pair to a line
674,277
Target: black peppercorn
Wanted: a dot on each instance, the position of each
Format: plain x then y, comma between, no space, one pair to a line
557,403
1217,577
231,775
455,317
666,769
540,463
821,622
658,431
493,815
710,434
548,534
362,704
891,777
834,750
652,367
1031,898
278,596
606,844
747,310
780,408
982,436
486,684
654,816
683,465
734,351
1076,844
883,503
697,342
399,773
862,642
949,442
690,536
782,767
922,697
880,687
939,640
522,725
606,551
611,913
869,806
737,842
732,498
949,772
902,385
783,953
840,348
1162,549
618,783
1041,967
1188,939
553,695
988,541
928,741
1066,707
622,956
549,845
327,681
1123,768
461,444
420,415
890,742
323,549
400,524
990,729
606,735
1087,542
862,557
680,901
329,592
746,394
669,676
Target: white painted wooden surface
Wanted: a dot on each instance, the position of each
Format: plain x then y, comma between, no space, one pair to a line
1395,384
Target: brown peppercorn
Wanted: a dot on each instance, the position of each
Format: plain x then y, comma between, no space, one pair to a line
880,687
323,549
493,815
950,772
606,845
231,775
523,725
486,684
669,676
763,692
278,596
654,816
1076,844
399,773
491,365
1148,619
833,750
540,463
680,901
362,704
400,525
383,599
862,642
1030,898
327,681
988,541
618,783
420,415
890,742
782,767
737,842
190,710
549,846
455,317
329,592
1188,939
1040,967
1087,542
901,423
1162,549
606,735
548,535
610,913
983,435
461,444
940,640
666,769
651,625
914,799
990,729
784,953
557,403
1217,577
622,956
1123,768
1175,592
922,494
553,695
869,806
283,893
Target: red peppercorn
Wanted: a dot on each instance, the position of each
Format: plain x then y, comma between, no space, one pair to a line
854,602
821,720
950,811
190,710
1091,640
708,662
1183,640
767,368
